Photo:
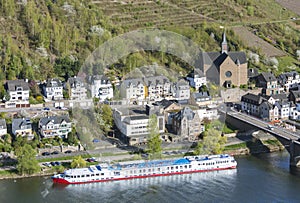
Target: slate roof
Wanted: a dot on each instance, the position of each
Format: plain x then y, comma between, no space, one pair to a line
75,81
53,83
103,78
252,98
182,82
217,57
281,97
266,76
21,123
270,106
54,119
185,112
13,84
156,80
288,74
296,94
165,103
252,72
199,95
133,82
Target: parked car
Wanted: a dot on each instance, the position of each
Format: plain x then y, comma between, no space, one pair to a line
270,127
45,154
68,152
47,164
91,159
55,152
57,163
96,140
46,109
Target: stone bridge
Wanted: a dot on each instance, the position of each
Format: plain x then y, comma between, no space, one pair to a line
289,139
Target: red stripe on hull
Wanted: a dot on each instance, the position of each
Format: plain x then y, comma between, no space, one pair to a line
63,181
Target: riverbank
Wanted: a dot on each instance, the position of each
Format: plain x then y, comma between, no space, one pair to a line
255,143
243,145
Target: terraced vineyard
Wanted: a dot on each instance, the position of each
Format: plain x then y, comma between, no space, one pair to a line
140,13
236,11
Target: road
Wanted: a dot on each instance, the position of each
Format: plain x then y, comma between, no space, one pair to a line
279,131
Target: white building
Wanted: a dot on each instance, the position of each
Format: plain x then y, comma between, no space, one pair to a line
182,90
55,126
251,102
22,127
134,126
77,89
157,87
18,91
132,89
101,87
3,127
283,109
208,113
295,112
289,80
197,79
53,89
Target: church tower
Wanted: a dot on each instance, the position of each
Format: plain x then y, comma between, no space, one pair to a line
224,44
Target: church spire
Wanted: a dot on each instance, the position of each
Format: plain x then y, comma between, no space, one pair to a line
224,44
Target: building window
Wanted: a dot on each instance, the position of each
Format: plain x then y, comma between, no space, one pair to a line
228,74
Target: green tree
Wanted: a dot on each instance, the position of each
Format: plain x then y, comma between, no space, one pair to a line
72,137
212,143
154,141
27,163
203,88
105,117
19,142
78,162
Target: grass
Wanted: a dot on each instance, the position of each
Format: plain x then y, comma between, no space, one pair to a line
63,158
236,146
8,172
286,62
271,142
84,156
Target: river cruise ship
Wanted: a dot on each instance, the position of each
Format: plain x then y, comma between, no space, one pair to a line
144,169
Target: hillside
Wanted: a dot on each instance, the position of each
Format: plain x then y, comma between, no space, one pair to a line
52,38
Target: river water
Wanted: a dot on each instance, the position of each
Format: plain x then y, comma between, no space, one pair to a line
263,178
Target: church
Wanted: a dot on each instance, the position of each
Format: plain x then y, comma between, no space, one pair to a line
225,68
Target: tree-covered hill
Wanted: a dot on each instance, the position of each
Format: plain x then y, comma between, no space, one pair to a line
44,38
52,38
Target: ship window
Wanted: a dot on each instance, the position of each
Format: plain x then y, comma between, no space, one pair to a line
180,167
67,176
78,176
97,174
82,176
144,170
172,168
102,174
176,167
140,171
190,166
185,166
149,170
167,168
87,175
158,169
93,175
71,176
